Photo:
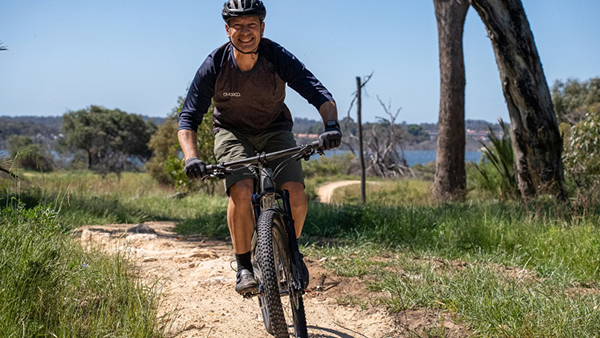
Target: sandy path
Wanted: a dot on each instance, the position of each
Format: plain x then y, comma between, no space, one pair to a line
325,192
198,287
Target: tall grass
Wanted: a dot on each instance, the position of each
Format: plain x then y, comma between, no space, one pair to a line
84,198
550,242
50,287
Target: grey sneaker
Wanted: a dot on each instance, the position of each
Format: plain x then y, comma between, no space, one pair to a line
305,276
245,283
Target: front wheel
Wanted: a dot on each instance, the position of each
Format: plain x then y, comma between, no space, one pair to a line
275,279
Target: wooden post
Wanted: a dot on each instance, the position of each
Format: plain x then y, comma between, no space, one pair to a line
363,183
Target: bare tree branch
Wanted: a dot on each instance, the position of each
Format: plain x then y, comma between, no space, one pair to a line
384,144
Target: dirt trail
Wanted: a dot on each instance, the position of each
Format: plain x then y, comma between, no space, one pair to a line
325,192
199,290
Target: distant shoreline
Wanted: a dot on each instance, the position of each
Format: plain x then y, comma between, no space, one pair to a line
414,157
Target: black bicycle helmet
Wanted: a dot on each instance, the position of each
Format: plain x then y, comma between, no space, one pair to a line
237,8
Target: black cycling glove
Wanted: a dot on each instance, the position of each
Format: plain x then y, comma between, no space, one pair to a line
332,137
194,168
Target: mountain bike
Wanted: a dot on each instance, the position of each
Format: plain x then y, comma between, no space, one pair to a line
275,254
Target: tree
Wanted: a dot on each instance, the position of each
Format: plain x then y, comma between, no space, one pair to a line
534,128
166,164
450,174
112,140
582,156
578,105
383,140
573,99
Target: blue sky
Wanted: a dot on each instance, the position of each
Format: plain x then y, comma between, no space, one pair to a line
140,56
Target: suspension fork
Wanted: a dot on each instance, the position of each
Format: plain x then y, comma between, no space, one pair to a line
292,241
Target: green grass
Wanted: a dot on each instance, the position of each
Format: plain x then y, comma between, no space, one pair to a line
51,287
550,243
404,245
387,192
83,198
561,250
490,300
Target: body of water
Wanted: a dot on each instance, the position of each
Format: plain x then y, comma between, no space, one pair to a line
419,156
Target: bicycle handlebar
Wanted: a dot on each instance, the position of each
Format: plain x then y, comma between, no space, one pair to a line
302,151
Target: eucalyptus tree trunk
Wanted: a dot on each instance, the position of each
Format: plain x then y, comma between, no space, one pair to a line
450,176
534,129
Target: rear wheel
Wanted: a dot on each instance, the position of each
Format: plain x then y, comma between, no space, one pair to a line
275,278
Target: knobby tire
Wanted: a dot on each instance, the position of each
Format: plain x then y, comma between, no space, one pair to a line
273,258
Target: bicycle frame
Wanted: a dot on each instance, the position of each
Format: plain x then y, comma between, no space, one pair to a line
267,196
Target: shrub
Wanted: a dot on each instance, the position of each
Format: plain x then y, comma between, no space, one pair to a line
166,165
496,169
582,155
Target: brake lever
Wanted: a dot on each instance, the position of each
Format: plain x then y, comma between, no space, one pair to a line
306,152
216,171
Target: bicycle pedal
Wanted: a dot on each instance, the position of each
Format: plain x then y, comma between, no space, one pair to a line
252,293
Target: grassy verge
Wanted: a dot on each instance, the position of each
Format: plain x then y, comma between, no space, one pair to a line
488,299
52,288
501,271
83,198
399,192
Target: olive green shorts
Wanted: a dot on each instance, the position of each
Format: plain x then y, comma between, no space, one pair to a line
231,146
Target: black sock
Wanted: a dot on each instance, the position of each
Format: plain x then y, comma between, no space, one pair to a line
244,261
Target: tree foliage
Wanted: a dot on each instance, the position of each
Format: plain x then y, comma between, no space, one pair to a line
578,106
166,164
112,140
573,100
582,156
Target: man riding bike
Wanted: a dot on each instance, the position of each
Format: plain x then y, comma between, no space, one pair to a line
246,79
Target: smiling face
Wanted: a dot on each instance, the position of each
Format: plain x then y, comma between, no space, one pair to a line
245,32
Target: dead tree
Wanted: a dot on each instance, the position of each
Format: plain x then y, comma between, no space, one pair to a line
450,174
384,155
534,129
